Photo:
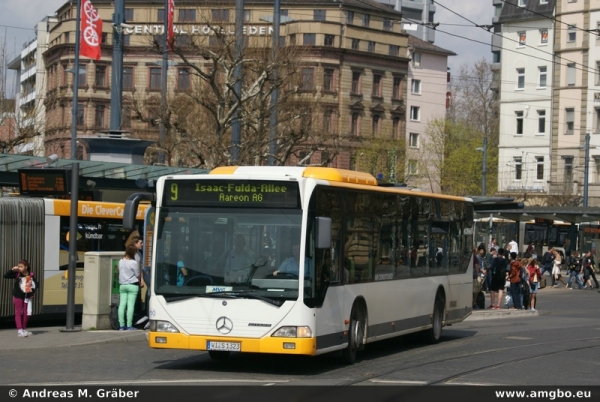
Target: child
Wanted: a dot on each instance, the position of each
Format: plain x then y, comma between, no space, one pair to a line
23,291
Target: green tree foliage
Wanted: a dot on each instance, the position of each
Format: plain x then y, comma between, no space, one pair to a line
383,157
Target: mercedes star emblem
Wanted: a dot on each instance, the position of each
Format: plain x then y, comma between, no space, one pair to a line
224,325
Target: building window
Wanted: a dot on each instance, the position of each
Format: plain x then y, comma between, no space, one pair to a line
356,87
220,15
415,86
183,40
543,76
248,14
371,47
328,121
184,79
394,50
570,120
307,79
519,122
80,114
416,59
543,1
413,140
126,118
541,121
572,33
397,88
571,74
597,73
366,20
597,120
520,78
329,39
376,85
128,14
355,44
324,158
376,124
522,38
522,3
155,78
292,39
568,169
328,79
105,38
388,25
319,15
539,168
99,116
396,127
309,39
187,15
415,113
161,15
100,79
82,76
126,40
543,36
412,167
355,124
349,17
518,168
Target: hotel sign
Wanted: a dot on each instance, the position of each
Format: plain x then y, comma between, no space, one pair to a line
159,29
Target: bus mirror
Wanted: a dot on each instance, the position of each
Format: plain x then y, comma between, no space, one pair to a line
323,232
131,207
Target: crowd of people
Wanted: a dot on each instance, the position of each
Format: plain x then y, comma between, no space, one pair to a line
513,282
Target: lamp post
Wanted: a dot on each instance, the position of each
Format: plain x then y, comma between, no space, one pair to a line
163,86
275,93
586,169
484,170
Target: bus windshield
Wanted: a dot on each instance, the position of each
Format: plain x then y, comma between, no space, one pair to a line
232,252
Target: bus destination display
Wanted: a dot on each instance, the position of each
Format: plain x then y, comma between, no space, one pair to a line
228,193
43,182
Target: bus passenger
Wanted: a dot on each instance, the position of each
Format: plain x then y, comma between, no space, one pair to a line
235,262
183,273
291,265
130,281
23,291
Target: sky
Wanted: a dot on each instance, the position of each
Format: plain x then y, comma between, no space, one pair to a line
456,31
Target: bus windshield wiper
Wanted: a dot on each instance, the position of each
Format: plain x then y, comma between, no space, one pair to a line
236,294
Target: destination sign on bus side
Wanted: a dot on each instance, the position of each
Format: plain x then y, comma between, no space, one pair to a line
228,193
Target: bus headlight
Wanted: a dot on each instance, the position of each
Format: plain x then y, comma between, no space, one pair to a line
162,326
293,332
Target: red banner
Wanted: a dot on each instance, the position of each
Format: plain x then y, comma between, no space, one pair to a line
170,31
91,31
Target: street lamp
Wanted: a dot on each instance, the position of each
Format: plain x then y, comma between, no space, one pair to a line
586,169
484,171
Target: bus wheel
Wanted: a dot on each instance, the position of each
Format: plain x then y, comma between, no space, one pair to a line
218,354
434,334
356,335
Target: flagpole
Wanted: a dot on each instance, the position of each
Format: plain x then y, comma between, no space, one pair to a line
116,91
163,86
76,80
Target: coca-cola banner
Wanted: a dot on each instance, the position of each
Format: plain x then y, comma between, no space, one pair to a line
91,31
170,31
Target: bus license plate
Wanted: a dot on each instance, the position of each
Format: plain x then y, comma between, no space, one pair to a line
226,346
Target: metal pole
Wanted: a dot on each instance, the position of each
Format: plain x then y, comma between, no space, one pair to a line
236,127
163,86
72,249
586,170
484,172
75,81
275,93
116,93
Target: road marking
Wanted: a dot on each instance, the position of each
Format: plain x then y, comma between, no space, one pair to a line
476,384
155,381
520,338
400,382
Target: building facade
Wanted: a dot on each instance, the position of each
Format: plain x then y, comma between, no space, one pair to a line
354,60
417,17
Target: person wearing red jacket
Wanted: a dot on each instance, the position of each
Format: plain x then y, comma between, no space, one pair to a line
535,275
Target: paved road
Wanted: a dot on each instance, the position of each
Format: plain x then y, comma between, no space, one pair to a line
558,346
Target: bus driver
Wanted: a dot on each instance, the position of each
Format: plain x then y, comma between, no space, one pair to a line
291,265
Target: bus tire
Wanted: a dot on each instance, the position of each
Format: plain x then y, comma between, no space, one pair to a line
434,334
356,334
218,354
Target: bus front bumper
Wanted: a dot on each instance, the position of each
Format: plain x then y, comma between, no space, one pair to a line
278,345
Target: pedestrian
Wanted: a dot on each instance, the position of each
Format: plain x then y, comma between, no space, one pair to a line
141,306
130,282
574,269
514,277
498,269
513,246
588,266
530,250
556,270
534,282
23,290
548,263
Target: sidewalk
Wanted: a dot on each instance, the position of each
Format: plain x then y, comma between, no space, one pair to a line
50,337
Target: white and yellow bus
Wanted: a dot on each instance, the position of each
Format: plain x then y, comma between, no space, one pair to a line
37,229
374,261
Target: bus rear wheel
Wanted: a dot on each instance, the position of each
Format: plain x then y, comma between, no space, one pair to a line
356,335
218,354
434,334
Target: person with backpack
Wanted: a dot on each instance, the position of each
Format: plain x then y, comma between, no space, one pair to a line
498,269
23,290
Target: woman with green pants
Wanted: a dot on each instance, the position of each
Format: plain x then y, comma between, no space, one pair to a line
130,281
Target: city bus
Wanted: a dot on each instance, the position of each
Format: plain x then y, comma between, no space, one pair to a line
371,261
37,229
